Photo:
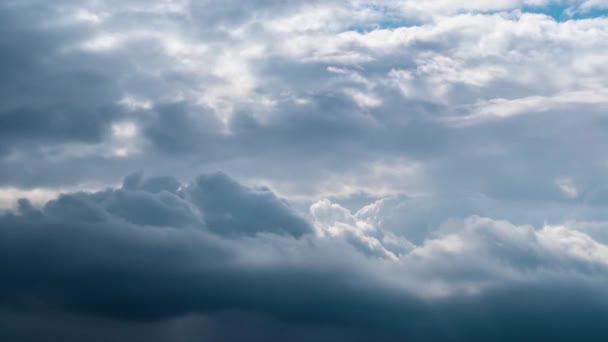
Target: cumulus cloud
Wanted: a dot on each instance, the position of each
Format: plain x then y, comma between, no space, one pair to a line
347,86
214,202
436,167
154,250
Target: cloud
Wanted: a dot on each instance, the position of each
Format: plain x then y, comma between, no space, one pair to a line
93,255
266,93
335,221
443,162
215,202
231,209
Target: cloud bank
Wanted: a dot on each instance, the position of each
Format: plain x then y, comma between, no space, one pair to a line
314,170
154,251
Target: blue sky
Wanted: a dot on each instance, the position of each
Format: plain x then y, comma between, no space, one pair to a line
563,12
331,170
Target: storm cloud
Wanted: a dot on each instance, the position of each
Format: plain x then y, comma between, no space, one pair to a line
303,170
151,252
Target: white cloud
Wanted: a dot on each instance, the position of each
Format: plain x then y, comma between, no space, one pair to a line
566,185
132,103
10,195
332,220
124,130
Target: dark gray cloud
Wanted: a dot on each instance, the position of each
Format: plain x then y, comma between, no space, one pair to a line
49,96
455,321
231,209
214,202
91,260
401,133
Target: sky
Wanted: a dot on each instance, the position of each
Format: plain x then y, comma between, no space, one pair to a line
264,170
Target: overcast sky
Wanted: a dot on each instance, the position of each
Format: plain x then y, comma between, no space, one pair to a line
255,170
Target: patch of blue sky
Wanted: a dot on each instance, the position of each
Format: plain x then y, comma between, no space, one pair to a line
561,12
387,24
389,20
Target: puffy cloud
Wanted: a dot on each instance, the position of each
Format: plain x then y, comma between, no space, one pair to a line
395,129
238,88
335,221
92,254
215,202
231,209
91,258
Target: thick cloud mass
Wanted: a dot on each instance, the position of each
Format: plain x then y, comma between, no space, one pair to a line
156,250
315,170
214,202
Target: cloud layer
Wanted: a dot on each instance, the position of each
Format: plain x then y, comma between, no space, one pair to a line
389,97
322,170
154,251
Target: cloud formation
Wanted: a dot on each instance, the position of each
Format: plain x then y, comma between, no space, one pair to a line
329,170
153,251
313,89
